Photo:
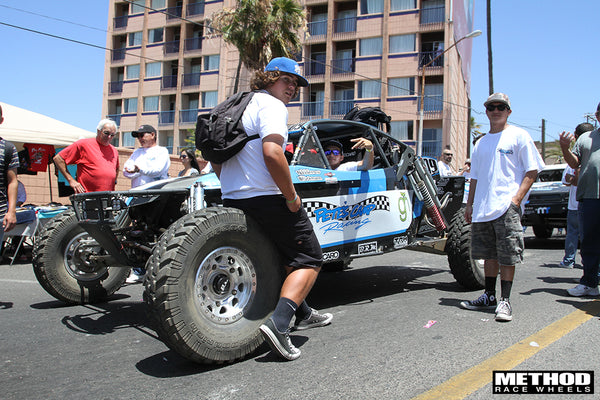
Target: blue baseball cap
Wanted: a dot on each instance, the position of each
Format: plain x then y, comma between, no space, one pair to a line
287,65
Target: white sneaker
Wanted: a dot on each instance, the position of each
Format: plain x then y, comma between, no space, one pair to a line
134,278
582,290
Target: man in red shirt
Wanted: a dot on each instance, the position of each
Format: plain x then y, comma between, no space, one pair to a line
97,160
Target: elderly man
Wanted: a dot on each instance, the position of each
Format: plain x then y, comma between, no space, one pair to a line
97,160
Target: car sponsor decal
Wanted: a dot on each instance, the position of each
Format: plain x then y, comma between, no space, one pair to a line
357,217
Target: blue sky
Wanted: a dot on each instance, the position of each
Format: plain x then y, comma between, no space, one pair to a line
544,59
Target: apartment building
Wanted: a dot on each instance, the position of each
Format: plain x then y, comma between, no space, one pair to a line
165,66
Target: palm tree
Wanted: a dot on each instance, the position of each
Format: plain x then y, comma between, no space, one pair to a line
261,30
489,43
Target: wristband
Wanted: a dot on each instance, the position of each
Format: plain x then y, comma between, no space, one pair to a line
292,201
368,151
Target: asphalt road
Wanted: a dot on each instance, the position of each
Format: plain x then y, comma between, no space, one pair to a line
378,346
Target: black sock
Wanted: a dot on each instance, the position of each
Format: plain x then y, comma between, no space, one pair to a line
303,311
283,314
505,288
490,285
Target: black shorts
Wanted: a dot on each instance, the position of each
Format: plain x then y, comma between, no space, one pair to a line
292,233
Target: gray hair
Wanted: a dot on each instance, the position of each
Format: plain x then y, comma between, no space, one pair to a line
108,122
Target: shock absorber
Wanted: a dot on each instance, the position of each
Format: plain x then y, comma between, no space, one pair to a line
432,210
417,179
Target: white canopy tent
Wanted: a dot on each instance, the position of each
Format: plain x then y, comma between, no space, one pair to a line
23,126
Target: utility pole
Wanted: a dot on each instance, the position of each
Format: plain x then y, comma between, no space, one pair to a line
544,139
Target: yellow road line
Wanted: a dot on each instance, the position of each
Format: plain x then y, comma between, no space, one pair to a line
461,385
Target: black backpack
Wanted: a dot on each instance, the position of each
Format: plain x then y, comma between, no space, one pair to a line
369,115
220,134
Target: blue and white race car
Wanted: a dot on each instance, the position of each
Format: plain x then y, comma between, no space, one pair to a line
212,276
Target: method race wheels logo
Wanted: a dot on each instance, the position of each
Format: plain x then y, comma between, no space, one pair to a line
543,382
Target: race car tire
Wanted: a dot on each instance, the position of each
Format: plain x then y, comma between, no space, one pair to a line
467,271
62,271
213,279
542,231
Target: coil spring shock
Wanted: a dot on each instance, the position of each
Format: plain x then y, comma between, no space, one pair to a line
432,209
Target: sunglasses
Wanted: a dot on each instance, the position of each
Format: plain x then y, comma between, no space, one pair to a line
499,107
183,156
334,152
107,133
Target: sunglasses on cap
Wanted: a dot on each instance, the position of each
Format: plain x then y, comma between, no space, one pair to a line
334,152
499,107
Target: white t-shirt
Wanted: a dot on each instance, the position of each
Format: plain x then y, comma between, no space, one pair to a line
499,164
348,166
445,169
245,175
573,203
153,163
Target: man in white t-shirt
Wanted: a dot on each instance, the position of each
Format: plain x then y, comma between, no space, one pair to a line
334,152
257,180
504,165
444,163
149,162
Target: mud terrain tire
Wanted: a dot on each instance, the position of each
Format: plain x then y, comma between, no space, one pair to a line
61,271
213,279
467,272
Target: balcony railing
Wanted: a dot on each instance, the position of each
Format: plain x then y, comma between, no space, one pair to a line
432,104
193,44
115,87
168,82
171,47
166,118
188,116
192,79
433,15
120,22
174,13
426,57
313,109
341,25
317,28
314,67
194,9
118,54
340,107
343,65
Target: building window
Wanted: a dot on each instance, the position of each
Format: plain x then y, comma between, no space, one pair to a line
211,62
138,6
128,140
318,25
133,72
135,39
371,6
130,105
157,4
369,89
371,46
432,142
153,70
151,103
402,130
397,5
209,99
402,43
401,87
155,35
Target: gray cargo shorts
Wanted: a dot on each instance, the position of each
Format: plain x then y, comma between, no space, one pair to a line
500,239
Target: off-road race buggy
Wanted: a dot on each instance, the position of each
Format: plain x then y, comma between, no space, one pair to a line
212,276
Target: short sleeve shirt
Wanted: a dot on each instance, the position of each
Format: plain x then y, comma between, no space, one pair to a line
499,163
587,150
97,164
